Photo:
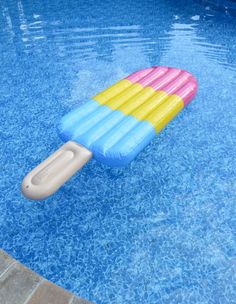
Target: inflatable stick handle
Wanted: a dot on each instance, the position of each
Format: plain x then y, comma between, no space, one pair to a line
53,172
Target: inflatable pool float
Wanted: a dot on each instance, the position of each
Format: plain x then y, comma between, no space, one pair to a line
114,126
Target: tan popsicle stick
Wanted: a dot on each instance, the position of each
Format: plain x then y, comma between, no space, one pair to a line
53,172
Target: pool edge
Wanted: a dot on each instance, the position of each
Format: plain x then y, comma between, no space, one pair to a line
20,285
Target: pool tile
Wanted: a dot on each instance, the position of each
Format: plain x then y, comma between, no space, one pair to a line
80,301
50,293
20,285
16,284
5,261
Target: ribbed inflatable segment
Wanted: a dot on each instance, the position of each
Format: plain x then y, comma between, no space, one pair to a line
120,121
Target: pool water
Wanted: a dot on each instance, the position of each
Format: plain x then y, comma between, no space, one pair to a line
227,6
162,230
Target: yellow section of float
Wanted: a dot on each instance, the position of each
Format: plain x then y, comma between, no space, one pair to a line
112,91
155,107
160,117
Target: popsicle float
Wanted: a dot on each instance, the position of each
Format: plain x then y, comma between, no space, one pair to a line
114,126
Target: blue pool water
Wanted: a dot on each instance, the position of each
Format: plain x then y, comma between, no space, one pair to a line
162,230
227,6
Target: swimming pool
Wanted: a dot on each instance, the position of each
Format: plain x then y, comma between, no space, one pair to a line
161,230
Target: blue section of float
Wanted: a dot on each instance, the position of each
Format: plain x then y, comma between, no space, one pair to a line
69,123
114,138
127,148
